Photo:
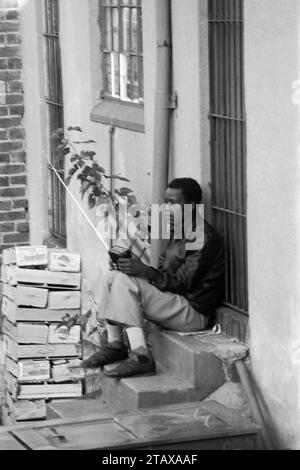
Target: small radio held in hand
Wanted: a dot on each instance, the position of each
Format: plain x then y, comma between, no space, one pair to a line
118,252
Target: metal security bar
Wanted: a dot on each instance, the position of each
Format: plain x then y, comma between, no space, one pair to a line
122,49
228,142
54,100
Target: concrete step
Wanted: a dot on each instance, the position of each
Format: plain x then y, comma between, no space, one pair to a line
189,368
146,391
205,361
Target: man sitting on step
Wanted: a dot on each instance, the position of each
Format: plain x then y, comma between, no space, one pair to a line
180,295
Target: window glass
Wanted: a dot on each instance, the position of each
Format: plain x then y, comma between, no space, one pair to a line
122,49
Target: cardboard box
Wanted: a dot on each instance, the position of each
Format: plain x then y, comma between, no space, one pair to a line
26,256
64,261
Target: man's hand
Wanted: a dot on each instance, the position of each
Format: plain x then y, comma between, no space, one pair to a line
112,266
132,266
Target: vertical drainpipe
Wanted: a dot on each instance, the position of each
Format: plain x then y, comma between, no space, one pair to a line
111,163
162,109
111,155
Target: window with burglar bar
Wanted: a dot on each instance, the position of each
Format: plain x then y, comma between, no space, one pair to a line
228,142
54,101
122,50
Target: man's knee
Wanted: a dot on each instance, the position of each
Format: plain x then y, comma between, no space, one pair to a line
113,277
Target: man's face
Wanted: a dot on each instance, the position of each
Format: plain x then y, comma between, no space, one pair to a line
175,199
174,196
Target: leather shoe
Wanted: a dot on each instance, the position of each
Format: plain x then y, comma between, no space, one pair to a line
131,367
106,355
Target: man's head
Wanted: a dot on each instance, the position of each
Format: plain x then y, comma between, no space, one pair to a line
181,191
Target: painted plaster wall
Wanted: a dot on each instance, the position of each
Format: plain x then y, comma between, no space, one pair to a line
80,40
190,155
132,151
272,46
272,53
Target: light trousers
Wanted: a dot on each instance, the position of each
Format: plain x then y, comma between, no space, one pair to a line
130,300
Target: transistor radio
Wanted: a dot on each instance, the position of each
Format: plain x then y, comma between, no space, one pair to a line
118,252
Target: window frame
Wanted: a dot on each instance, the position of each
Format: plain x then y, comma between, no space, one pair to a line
117,54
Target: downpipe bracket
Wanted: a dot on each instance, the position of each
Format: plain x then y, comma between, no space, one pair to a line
166,101
173,100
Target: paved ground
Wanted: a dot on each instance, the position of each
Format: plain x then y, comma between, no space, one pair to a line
199,425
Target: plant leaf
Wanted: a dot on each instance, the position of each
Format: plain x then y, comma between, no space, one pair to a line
85,186
87,314
58,133
97,191
98,176
125,191
85,142
92,201
122,178
72,171
74,128
87,154
61,150
67,321
116,177
93,330
131,199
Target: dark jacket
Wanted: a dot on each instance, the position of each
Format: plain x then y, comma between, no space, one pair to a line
196,275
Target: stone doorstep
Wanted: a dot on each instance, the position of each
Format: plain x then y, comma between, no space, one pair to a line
147,391
189,368
203,360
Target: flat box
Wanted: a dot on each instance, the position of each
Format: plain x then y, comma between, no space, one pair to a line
61,300
30,370
26,256
61,372
26,296
2,384
36,277
39,351
25,410
11,366
9,291
64,261
62,335
9,442
15,314
26,333
6,275
21,391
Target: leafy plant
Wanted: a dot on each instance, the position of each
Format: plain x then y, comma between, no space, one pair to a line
91,175
69,321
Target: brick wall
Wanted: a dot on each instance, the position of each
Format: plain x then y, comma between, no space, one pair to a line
14,227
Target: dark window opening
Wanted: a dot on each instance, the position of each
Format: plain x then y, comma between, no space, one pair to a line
228,142
54,101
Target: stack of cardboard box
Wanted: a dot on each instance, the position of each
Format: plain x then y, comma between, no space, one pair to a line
41,288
